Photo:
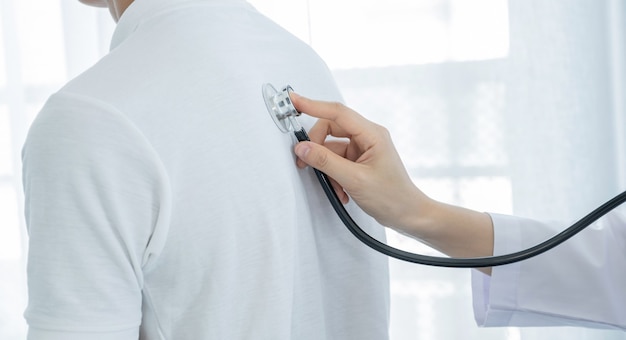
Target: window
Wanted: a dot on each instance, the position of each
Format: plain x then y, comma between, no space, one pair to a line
481,98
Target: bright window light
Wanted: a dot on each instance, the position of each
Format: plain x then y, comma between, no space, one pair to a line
360,34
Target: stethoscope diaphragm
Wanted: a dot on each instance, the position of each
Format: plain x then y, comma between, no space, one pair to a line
280,108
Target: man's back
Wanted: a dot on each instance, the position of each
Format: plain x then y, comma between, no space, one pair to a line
145,206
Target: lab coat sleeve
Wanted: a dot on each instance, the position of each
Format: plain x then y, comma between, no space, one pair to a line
580,283
96,219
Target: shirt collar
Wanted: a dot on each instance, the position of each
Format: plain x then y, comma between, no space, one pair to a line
141,10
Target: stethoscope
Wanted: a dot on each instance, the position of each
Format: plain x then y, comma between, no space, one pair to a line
284,115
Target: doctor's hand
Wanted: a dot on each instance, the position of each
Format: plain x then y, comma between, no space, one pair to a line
364,164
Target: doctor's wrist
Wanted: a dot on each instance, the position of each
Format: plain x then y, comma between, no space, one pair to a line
417,217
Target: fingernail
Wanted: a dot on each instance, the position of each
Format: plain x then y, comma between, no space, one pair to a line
302,149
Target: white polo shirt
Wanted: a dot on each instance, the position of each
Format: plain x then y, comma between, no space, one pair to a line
162,202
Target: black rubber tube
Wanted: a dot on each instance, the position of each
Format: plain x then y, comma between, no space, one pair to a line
476,262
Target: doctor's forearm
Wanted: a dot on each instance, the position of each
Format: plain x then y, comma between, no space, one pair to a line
455,231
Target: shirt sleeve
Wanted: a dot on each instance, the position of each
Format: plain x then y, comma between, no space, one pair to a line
579,283
97,213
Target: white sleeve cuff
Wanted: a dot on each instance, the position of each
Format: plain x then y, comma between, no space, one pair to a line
493,304
533,293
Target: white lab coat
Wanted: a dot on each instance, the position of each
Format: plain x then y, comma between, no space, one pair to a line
580,283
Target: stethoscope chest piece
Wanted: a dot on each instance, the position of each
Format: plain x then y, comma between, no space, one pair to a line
280,108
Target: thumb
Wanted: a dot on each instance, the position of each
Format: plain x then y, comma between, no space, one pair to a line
321,158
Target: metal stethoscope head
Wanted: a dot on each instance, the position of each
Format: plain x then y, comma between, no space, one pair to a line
281,109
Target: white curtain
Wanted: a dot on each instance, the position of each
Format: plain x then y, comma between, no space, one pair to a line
503,106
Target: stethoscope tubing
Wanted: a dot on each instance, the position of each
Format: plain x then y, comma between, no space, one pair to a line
476,262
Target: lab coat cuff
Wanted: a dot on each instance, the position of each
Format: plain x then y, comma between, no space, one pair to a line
495,296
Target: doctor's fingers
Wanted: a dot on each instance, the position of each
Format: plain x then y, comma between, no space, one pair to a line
336,119
338,147
318,159
332,163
